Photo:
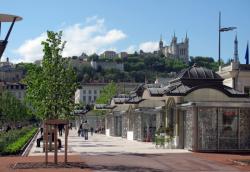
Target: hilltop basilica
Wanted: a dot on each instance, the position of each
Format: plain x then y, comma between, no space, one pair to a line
175,50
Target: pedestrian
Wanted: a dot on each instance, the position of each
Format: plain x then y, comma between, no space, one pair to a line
92,131
60,128
86,129
80,131
41,130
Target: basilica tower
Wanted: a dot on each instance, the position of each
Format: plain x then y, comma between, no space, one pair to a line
161,44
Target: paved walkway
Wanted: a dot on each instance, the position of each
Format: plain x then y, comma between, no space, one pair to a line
113,154
101,144
171,162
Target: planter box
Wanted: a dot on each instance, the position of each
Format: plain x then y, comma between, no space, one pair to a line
107,132
130,135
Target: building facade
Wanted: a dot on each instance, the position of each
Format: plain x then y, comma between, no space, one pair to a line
123,55
236,75
9,73
107,65
109,54
201,112
175,50
89,92
16,89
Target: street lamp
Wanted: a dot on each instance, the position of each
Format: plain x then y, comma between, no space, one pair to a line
7,18
224,29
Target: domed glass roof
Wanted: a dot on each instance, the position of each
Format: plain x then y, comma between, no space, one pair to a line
200,73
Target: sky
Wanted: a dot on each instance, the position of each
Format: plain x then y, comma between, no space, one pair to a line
93,26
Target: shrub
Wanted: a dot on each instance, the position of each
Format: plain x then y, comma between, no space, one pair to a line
13,141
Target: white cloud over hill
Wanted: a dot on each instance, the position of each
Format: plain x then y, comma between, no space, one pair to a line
89,38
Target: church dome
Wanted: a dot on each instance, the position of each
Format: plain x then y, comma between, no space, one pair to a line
196,75
201,73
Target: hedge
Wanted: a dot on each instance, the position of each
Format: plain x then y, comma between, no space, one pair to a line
13,141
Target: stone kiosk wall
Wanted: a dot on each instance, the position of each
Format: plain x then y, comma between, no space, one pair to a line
244,129
207,128
223,129
188,128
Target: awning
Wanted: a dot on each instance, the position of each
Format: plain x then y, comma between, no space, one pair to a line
216,104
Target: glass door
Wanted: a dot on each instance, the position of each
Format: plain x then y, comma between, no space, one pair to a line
228,128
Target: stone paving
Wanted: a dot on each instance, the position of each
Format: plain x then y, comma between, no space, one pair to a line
113,154
101,144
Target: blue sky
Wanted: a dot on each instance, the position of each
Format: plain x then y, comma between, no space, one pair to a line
126,25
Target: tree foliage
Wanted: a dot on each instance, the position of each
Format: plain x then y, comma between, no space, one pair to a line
207,62
12,110
141,67
107,93
51,87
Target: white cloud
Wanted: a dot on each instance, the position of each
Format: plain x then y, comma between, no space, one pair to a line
149,46
31,50
88,38
130,49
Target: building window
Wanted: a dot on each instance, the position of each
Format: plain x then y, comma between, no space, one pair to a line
228,128
94,98
247,90
90,91
84,91
89,98
84,98
95,91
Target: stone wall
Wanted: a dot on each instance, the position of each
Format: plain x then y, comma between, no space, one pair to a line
138,127
237,137
207,128
124,125
188,128
244,129
112,126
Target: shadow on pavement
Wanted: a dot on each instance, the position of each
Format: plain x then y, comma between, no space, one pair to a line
81,165
125,168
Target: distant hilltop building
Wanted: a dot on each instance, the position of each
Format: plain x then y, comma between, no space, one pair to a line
123,55
9,73
175,50
109,54
107,65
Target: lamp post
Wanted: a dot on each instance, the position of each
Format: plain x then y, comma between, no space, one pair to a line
224,29
7,18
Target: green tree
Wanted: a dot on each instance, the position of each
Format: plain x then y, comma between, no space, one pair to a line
51,87
207,62
93,57
107,93
12,110
174,65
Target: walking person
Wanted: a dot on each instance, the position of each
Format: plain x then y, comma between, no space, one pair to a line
92,131
86,129
60,128
41,130
80,130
